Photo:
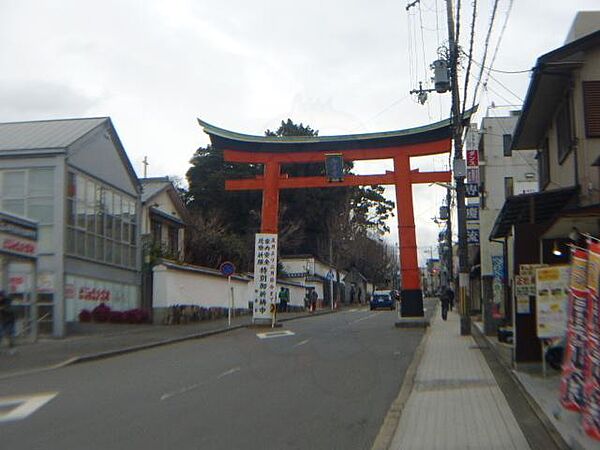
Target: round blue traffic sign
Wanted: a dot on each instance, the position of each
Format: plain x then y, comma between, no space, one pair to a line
227,268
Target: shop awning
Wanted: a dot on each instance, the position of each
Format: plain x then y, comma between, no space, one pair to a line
538,207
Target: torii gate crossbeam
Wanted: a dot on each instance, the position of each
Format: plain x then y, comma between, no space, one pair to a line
400,146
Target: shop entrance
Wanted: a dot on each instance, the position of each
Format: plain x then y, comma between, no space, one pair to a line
18,271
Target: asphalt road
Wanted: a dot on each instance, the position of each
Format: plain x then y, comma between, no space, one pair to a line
327,386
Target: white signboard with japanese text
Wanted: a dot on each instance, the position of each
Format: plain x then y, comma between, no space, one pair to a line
265,276
552,291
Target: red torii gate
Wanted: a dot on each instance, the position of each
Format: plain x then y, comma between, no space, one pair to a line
400,146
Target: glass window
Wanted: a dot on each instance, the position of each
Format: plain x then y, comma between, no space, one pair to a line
507,144
108,251
81,213
126,228
80,242
71,185
109,226
132,256
90,191
41,182
99,248
14,206
117,253
508,187
41,209
13,184
117,208
100,223
70,240
70,212
91,219
80,182
132,236
90,242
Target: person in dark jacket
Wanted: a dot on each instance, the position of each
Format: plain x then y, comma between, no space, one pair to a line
7,319
445,300
450,294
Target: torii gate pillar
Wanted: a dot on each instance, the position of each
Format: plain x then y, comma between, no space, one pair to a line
412,295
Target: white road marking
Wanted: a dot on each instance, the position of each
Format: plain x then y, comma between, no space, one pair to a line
301,343
191,387
363,318
24,406
275,334
229,372
178,392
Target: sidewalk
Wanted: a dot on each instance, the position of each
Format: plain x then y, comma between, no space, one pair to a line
96,341
455,402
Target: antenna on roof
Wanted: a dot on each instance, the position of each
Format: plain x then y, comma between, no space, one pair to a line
146,164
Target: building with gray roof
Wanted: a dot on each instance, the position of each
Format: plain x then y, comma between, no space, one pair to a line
73,178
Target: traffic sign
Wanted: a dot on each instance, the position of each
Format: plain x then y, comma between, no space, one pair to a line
227,268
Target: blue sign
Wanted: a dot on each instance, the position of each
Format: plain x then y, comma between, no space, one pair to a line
472,212
227,268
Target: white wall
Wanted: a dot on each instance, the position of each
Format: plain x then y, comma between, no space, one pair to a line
173,286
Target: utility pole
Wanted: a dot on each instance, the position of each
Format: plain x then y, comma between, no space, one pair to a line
449,261
146,164
459,177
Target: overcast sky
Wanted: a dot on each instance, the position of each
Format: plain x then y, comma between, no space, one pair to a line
341,66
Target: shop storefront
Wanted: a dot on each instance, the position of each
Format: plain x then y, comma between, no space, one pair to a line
18,271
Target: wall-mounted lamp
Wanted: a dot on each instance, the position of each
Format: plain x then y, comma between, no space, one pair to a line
574,234
555,250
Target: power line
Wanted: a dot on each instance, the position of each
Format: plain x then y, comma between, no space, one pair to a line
510,72
470,55
506,88
499,39
485,51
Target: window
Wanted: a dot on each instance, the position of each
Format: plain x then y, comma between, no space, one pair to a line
30,193
156,230
174,240
564,137
591,106
509,189
544,165
507,144
99,222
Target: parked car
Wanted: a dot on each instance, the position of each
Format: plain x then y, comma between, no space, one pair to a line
382,299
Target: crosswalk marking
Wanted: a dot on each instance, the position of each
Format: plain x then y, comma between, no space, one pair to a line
20,407
275,334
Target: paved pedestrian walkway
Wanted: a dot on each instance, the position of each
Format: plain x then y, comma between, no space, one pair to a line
94,340
455,402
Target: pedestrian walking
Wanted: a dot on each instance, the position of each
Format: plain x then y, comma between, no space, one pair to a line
313,300
450,294
445,300
7,319
284,296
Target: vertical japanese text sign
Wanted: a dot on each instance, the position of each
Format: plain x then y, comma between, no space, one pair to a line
265,275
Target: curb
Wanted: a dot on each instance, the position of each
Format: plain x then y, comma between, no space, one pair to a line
387,431
551,430
136,348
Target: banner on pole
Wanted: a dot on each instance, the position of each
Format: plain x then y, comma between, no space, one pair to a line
572,379
265,275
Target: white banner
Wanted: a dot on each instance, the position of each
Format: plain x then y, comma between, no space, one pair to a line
265,275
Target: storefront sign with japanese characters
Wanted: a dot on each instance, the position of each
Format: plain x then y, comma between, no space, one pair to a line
552,289
472,212
473,235
265,275
471,190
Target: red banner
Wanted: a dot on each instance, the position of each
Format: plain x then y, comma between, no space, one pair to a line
591,390
572,380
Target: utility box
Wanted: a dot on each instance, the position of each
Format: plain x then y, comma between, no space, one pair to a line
441,78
